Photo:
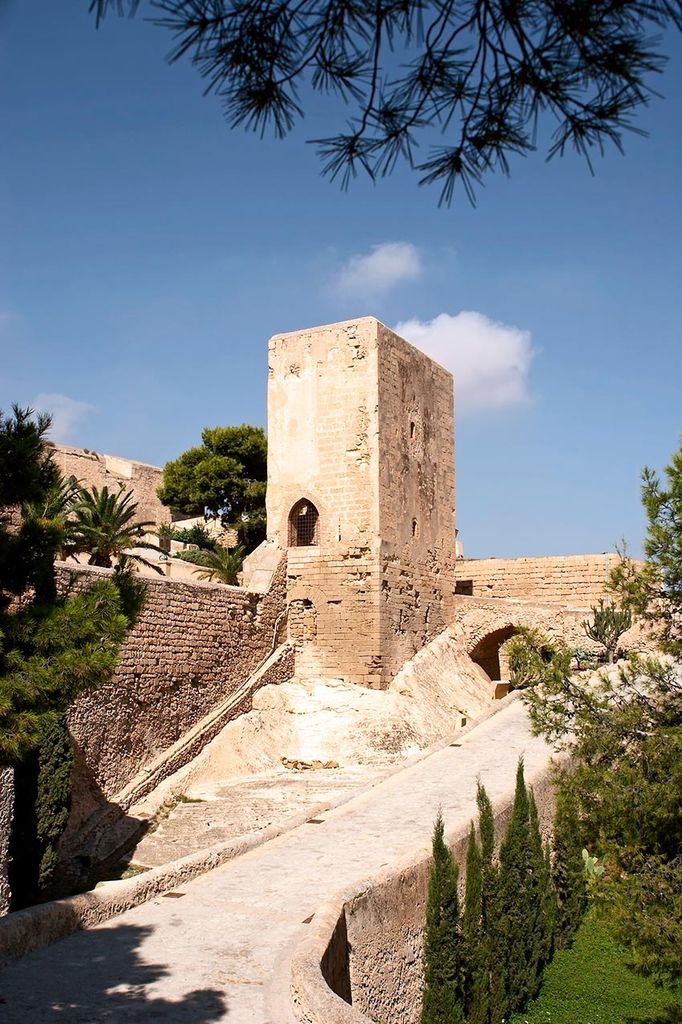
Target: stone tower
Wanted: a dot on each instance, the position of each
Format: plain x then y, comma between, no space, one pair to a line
361,497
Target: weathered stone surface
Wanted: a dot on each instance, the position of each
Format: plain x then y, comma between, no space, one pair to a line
112,471
192,645
578,580
360,424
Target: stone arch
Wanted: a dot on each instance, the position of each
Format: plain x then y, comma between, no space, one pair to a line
303,524
486,652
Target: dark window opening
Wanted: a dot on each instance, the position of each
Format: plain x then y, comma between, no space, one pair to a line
304,525
464,587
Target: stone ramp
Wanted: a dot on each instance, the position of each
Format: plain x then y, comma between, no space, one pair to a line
246,805
217,949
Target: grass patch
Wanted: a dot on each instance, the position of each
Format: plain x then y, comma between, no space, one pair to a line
590,983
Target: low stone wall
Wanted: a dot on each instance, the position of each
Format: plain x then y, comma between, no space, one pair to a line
362,960
193,645
565,579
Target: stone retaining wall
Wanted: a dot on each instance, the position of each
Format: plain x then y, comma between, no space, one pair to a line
565,579
362,961
193,645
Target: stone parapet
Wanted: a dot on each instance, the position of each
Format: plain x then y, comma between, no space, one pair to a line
578,580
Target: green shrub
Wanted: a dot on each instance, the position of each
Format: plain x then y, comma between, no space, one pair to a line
607,625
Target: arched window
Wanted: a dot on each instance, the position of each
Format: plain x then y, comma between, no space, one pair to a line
304,525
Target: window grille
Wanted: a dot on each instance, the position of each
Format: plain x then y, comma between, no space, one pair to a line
304,525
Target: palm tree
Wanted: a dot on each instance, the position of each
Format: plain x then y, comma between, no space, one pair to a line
54,511
105,526
221,564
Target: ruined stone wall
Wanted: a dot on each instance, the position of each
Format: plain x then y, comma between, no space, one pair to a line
93,469
192,646
565,579
416,499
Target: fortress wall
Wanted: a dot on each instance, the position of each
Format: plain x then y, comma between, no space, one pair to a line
416,498
93,469
192,646
564,579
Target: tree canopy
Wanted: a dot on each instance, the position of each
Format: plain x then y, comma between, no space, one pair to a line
224,477
624,731
477,75
52,645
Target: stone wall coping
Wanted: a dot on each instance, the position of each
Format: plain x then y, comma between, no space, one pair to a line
157,581
474,601
91,453
537,558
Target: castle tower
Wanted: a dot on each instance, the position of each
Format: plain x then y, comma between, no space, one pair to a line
361,497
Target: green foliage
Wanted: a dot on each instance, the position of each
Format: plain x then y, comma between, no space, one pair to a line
568,866
225,477
607,625
476,982
591,983
49,654
27,475
443,966
516,909
105,525
43,800
653,592
624,731
467,87
220,565
491,925
528,651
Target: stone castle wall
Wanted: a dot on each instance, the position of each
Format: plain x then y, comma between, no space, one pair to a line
361,424
93,469
563,579
192,646
322,401
416,499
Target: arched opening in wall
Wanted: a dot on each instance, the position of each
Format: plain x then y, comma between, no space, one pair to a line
304,525
486,653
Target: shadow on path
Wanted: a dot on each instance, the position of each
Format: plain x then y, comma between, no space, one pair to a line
98,975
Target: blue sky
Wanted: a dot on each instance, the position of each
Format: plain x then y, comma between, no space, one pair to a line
148,253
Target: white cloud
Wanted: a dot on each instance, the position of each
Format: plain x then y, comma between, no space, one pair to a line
377,271
66,414
490,361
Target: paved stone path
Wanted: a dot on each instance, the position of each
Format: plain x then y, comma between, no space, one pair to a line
245,806
215,951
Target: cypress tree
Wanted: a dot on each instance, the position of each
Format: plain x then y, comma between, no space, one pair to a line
443,967
568,871
490,912
516,900
541,903
476,968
